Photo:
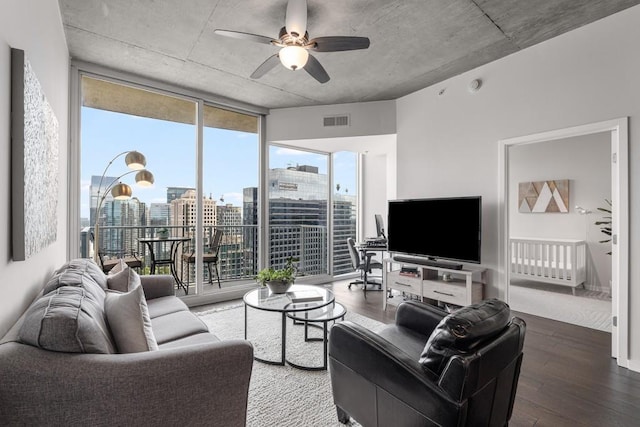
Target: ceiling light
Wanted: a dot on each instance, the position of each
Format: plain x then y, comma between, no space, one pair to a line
293,57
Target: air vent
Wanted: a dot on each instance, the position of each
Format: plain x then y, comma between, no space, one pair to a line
333,121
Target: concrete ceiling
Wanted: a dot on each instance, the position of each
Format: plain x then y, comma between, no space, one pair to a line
414,43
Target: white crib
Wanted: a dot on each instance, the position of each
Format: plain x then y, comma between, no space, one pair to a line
558,261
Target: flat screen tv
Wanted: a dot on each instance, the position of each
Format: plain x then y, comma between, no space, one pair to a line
442,228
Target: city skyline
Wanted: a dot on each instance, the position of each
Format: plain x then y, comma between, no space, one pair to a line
298,223
230,157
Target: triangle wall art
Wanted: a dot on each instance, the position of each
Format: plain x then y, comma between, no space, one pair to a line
544,196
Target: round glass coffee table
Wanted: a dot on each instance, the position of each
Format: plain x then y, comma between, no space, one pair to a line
314,317
298,298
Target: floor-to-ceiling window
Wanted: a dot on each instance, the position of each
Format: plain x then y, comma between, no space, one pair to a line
230,183
117,122
214,176
345,208
298,192
211,172
312,209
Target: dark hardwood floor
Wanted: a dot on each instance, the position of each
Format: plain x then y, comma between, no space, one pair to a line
567,379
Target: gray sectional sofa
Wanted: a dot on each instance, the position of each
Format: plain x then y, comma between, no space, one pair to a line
61,369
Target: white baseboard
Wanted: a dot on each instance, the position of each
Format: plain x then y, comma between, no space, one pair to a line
634,365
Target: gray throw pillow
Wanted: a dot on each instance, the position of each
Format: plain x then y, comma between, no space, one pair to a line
69,320
463,331
129,320
122,278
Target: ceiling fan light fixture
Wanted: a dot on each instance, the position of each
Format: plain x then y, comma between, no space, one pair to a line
293,57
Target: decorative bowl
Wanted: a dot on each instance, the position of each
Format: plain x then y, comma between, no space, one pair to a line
278,286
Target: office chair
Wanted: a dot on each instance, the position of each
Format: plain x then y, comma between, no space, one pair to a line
380,227
364,264
209,258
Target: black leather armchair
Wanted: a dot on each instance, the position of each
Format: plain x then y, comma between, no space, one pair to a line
466,375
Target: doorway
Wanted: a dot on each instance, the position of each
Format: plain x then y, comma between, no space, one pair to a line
617,129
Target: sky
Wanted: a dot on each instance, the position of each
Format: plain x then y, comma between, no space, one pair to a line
230,157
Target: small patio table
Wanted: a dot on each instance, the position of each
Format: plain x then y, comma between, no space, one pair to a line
171,260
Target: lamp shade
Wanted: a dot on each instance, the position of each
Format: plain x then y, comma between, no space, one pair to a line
293,57
135,160
121,191
144,178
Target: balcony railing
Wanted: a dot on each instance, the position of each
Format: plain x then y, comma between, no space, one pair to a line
238,254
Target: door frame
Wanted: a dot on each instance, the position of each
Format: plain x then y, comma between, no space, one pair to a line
618,129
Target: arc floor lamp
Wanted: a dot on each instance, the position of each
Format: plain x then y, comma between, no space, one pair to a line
119,190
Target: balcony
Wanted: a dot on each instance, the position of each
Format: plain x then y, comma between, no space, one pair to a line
238,254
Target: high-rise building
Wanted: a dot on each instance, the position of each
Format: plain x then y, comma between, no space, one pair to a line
298,220
183,211
97,190
182,216
229,220
250,229
120,220
344,226
174,193
159,214
228,215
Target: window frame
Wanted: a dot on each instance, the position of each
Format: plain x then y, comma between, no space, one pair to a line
80,69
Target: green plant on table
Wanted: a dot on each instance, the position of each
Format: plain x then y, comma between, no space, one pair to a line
605,223
284,275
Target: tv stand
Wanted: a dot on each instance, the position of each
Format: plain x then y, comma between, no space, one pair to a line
431,262
433,283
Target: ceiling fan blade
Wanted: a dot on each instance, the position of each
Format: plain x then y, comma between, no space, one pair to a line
339,43
245,36
266,66
296,18
316,70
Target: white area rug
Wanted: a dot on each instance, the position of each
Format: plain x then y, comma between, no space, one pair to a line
282,395
589,311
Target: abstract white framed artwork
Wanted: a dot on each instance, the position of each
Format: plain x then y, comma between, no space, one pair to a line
544,196
34,162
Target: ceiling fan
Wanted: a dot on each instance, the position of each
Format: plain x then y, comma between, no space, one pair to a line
295,44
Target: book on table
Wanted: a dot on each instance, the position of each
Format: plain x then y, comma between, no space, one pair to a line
304,296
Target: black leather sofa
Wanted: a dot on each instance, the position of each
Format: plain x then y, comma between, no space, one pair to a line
430,368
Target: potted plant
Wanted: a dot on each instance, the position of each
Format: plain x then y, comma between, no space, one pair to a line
278,280
162,233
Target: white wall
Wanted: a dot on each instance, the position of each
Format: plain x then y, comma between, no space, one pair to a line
34,26
367,118
374,192
585,161
448,145
371,132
